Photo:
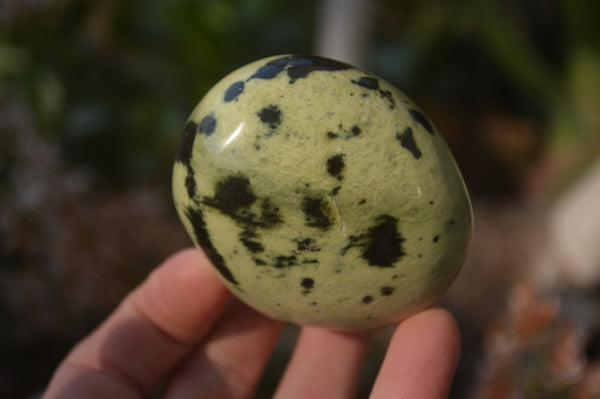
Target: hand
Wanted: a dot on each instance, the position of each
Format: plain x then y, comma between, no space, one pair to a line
180,329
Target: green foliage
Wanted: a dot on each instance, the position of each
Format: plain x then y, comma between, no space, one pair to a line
114,81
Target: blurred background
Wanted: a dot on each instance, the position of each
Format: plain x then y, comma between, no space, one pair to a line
94,96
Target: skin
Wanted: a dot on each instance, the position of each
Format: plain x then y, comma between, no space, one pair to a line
181,330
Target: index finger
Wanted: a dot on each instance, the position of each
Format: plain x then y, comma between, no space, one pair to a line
151,331
421,359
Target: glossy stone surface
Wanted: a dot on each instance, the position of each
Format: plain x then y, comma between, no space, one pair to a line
322,194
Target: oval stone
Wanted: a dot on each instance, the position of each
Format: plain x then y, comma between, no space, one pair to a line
322,194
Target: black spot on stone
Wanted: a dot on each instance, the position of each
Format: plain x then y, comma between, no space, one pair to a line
335,165
335,190
385,243
269,214
186,145
297,67
307,244
371,83
234,197
332,135
367,299
190,183
431,202
367,82
234,91
451,222
271,69
382,244
355,131
308,284
232,194
259,262
249,238
388,96
436,238
421,119
208,124
407,141
283,261
270,115
301,66
386,291
313,212
362,202
196,218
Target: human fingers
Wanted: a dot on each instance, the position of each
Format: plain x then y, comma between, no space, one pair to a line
325,364
421,359
231,360
152,330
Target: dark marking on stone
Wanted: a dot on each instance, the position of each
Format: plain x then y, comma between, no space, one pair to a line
301,67
335,165
388,96
431,202
234,91
332,135
208,125
367,82
271,69
308,284
362,202
259,262
386,291
190,183
309,261
367,299
297,67
336,190
186,145
421,119
285,261
249,238
407,141
382,244
371,83
184,155
234,197
385,243
313,213
270,115
202,236
436,238
307,244
269,214
232,194
451,222
356,131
